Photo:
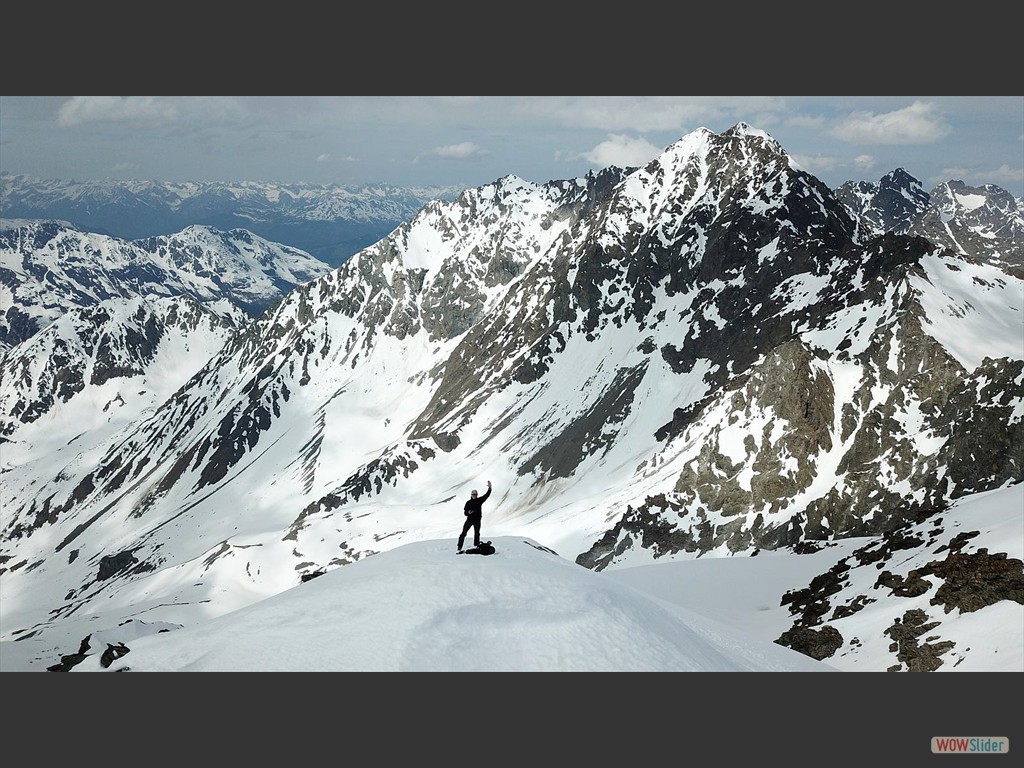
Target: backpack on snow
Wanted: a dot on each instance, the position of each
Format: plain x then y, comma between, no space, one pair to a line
484,548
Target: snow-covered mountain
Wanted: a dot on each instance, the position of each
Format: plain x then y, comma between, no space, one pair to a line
892,204
94,370
708,357
330,222
985,223
48,268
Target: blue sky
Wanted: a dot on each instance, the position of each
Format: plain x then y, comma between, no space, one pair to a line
473,140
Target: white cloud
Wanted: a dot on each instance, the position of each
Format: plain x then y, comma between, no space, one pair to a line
1002,176
91,109
806,121
953,172
323,158
623,151
819,165
816,164
188,112
864,162
466,150
644,114
917,124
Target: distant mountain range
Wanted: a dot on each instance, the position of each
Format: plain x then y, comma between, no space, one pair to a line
984,222
714,355
48,268
330,222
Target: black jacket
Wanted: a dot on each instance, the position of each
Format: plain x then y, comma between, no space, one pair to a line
474,506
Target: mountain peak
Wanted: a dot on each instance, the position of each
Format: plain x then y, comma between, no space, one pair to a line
745,129
742,137
900,174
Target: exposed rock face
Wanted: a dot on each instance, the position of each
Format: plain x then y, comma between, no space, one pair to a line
907,570
70,660
917,656
800,395
893,204
817,643
112,653
812,603
111,564
782,421
649,527
973,581
984,223
983,424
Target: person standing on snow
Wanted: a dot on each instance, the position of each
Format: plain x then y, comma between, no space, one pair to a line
474,512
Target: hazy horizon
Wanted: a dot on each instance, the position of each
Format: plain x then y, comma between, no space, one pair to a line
468,141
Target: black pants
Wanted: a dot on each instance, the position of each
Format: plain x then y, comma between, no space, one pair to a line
472,521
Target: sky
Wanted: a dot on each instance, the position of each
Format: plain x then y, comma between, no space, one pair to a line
470,141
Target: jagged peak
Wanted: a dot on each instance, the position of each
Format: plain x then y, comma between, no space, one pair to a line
512,181
199,230
702,141
499,187
900,173
745,129
957,186
900,178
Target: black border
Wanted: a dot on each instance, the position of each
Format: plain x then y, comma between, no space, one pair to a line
586,718
529,48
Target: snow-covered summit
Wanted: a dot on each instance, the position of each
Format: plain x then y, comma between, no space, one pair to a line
523,609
